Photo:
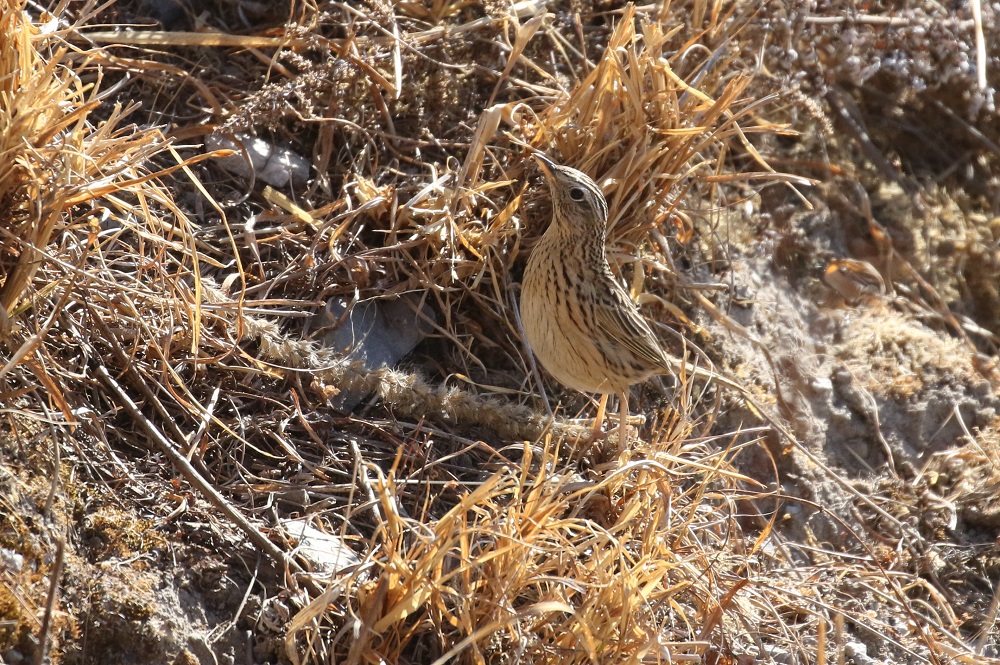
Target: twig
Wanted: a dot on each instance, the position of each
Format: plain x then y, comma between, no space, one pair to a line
977,20
50,605
888,21
206,418
845,109
990,621
210,494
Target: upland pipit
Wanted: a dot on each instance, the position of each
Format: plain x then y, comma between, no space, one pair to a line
580,322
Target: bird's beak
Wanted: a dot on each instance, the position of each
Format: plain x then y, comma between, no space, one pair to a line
547,165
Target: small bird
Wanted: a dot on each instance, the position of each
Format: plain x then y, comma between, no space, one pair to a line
855,281
580,322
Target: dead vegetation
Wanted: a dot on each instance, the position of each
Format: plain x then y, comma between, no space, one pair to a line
168,413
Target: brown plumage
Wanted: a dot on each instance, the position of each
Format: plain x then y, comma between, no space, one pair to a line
580,322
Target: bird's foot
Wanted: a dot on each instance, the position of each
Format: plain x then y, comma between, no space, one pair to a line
617,437
622,435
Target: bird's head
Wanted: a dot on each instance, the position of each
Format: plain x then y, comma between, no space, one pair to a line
578,204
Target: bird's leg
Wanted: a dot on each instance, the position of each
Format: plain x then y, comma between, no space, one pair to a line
599,419
623,425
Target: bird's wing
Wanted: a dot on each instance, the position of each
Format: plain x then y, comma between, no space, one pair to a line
619,319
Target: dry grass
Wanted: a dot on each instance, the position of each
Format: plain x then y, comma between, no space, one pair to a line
540,565
143,290
69,164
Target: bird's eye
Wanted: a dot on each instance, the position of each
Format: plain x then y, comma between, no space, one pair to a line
576,194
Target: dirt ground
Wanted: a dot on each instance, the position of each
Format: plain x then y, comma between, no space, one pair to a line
862,311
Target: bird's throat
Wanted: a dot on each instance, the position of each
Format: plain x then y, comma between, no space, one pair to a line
564,240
